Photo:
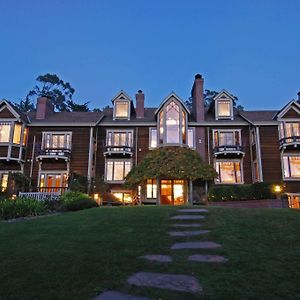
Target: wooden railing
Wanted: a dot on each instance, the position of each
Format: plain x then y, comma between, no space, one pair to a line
64,152
118,149
229,148
289,140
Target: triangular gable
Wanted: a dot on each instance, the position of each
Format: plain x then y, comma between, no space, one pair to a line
290,111
223,95
121,95
177,98
7,111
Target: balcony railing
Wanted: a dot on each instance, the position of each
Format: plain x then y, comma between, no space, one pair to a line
229,149
289,141
55,153
118,150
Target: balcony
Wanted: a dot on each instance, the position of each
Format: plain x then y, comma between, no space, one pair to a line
233,150
289,142
54,153
118,150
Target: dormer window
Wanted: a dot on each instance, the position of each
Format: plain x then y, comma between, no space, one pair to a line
224,106
121,109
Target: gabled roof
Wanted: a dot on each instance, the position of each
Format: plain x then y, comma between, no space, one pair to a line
16,112
258,115
291,105
172,94
119,94
223,93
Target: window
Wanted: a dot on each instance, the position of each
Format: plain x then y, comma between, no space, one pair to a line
191,138
172,123
224,109
119,138
228,172
291,166
116,170
289,130
124,197
17,134
227,138
25,135
5,132
152,138
53,182
4,182
56,140
122,109
151,192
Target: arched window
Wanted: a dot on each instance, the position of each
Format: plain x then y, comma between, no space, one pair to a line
172,123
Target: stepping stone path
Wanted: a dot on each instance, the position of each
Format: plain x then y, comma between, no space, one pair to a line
188,233
207,258
187,217
195,245
193,210
112,295
187,225
157,258
182,283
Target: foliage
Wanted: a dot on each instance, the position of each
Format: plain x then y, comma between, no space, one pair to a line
25,105
20,207
51,204
256,191
77,182
78,107
171,163
72,201
21,181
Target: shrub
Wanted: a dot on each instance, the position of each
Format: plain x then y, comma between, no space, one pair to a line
72,201
110,199
20,207
78,183
259,190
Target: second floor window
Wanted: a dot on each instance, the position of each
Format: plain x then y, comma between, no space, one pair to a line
227,138
5,132
191,138
57,140
122,109
289,129
228,172
153,138
119,138
116,170
291,166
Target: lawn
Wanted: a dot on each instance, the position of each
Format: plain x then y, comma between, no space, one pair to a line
78,255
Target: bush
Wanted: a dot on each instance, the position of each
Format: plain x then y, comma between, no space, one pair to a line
259,190
110,199
72,201
20,207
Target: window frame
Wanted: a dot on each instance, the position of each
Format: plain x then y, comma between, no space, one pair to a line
234,161
55,172
288,155
152,184
194,137
113,170
51,133
217,116
150,137
239,130
113,131
115,117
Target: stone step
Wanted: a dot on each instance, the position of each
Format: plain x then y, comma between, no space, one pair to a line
196,245
174,282
207,258
193,210
113,295
187,217
188,233
157,257
187,225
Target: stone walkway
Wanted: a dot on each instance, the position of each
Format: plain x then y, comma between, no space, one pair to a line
174,282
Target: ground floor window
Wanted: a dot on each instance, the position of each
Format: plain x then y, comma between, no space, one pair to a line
228,172
291,166
116,170
151,192
124,197
53,182
172,192
4,181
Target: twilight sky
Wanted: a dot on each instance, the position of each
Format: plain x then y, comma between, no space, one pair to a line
250,48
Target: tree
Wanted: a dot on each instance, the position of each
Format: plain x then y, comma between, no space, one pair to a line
78,107
25,105
208,97
171,163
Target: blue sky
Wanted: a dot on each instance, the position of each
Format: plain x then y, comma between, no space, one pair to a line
250,48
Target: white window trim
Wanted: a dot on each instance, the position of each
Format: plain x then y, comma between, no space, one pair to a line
152,189
113,131
150,131
44,133
282,167
226,130
194,137
116,160
217,109
231,160
59,172
129,109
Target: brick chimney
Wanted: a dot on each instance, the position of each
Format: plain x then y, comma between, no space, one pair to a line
140,104
44,108
197,98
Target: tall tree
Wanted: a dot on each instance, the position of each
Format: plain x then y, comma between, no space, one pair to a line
78,107
25,105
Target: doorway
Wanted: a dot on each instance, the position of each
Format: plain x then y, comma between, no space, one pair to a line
172,192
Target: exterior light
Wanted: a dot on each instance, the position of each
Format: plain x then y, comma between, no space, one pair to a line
96,197
277,189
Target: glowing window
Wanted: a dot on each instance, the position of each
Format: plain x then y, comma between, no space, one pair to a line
124,197
4,182
191,138
121,109
57,140
151,192
291,166
153,137
119,139
25,136
53,182
116,170
172,123
5,132
224,109
228,172
17,134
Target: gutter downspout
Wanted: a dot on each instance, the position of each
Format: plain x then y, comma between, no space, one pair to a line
259,154
90,163
32,161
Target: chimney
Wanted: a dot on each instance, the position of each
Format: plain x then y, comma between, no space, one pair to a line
197,98
140,104
44,108
298,96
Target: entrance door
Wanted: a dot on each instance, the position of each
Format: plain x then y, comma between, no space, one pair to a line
172,192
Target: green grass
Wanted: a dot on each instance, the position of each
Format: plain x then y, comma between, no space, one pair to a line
78,255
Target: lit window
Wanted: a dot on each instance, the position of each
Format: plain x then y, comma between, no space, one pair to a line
228,172
191,138
57,140
172,123
124,197
17,134
151,189
4,182
290,129
53,182
4,132
224,108
119,139
153,138
25,136
291,166
226,138
116,170
121,109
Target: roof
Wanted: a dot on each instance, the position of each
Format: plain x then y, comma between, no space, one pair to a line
68,117
20,114
258,115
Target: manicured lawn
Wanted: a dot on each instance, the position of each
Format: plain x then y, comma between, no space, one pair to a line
78,255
